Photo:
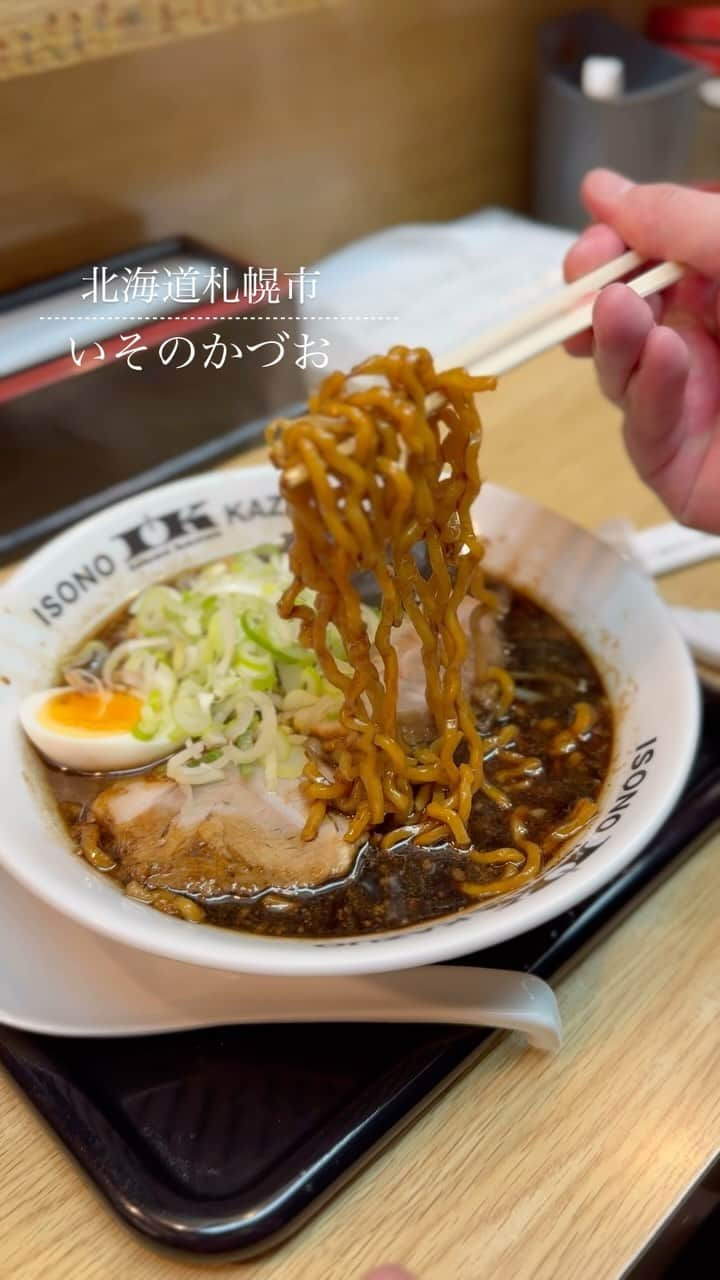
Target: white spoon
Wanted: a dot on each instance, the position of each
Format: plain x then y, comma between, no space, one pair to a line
72,982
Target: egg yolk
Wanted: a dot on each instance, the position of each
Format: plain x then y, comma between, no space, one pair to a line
81,714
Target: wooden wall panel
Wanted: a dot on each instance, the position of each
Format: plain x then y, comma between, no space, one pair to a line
279,140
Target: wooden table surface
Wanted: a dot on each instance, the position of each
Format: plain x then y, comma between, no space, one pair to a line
530,1167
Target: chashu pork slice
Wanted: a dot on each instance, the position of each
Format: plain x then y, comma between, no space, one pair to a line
485,648
229,837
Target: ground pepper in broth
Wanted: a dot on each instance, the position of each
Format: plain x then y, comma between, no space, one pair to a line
396,887
553,753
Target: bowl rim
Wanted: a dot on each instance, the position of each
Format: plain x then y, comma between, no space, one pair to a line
366,954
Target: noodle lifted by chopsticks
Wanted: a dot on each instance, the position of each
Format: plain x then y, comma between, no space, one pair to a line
368,473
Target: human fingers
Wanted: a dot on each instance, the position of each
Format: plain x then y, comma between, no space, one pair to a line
596,246
622,323
660,220
654,406
671,424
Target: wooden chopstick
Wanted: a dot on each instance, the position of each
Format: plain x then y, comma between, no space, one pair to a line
503,359
561,302
546,325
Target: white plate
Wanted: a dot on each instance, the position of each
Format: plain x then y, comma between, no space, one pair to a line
63,592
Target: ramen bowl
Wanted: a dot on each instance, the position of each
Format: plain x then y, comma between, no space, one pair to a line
65,590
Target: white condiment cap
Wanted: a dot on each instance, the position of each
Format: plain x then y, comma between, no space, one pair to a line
710,91
602,77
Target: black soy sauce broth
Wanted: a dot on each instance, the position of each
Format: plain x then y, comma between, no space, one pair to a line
391,889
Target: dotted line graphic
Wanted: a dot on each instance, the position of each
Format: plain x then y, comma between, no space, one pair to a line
184,315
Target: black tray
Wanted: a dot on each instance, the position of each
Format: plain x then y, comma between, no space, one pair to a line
222,1142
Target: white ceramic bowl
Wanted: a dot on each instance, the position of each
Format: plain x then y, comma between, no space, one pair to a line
67,588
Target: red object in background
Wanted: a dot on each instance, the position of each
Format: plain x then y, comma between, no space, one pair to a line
699,22
691,33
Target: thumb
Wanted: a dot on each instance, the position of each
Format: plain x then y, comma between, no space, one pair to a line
659,220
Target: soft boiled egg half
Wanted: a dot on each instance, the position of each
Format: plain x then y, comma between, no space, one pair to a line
91,732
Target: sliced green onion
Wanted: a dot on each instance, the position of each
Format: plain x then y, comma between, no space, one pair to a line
216,665
256,628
